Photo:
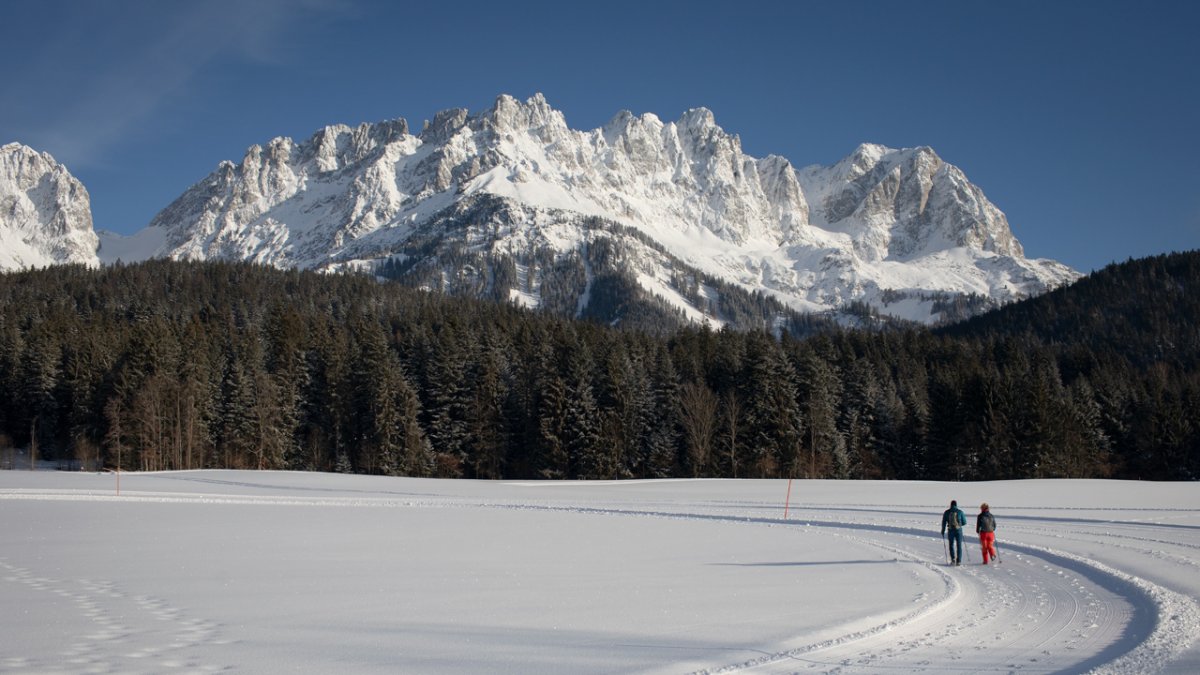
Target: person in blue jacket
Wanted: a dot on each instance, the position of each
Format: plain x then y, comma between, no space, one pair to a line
953,521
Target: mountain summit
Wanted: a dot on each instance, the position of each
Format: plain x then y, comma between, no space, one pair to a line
45,213
512,203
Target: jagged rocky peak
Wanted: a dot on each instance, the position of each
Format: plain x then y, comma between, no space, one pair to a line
45,212
782,188
625,121
698,118
880,224
634,140
703,139
695,136
622,119
534,115
337,146
901,204
699,125
445,123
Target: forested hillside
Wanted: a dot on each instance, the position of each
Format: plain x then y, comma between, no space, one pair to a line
1145,310
167,365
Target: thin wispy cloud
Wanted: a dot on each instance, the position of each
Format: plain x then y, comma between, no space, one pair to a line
84,91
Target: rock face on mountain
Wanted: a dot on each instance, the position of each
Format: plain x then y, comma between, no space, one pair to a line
512,203
678,204
45,213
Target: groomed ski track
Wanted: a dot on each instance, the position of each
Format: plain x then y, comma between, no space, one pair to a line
1104,589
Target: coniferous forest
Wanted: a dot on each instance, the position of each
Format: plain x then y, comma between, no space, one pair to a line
173,365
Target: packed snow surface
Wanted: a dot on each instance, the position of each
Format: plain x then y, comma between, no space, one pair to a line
272,572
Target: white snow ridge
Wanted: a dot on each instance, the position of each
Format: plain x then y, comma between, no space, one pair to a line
214,571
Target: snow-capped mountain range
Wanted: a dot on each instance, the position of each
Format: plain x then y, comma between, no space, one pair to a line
502,196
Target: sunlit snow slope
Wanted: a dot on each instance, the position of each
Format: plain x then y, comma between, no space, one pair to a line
270,572
897,230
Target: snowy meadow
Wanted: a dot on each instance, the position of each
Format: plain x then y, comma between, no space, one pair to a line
210,571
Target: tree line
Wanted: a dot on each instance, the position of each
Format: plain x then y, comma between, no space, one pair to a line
181,365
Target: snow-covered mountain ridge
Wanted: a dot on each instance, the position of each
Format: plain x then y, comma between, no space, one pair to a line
899,230
45,213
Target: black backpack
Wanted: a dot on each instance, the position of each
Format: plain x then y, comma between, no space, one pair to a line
987,523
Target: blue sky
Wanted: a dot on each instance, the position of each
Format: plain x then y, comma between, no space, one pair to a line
1078,119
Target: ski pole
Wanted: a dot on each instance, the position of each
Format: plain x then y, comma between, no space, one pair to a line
946,541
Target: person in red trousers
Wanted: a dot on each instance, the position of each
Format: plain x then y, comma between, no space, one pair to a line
985,526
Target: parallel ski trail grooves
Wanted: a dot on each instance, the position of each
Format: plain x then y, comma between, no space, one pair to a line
1129,648
1072,594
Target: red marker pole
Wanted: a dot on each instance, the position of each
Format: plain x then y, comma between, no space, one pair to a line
788,501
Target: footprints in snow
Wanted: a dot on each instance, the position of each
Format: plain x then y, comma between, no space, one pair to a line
123,633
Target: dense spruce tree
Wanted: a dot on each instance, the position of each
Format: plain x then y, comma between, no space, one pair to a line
37,387
197,391
171,365
823,450
553,458
487,425
237,425
626,399
447,398
85,363
773,421
324,401
285,332
723,373
947,454
521,404
661,449
1086,447
890,421
589,458
12,347
379,393
857,422
1041,416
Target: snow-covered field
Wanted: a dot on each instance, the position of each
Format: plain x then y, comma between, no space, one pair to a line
270,572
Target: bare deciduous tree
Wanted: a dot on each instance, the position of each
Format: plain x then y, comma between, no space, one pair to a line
731,416
698,416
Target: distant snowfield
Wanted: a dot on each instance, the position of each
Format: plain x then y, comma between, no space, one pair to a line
271,571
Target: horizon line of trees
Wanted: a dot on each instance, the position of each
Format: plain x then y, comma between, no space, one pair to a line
178,365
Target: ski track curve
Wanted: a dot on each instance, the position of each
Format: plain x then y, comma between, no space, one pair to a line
1036,610
1064,603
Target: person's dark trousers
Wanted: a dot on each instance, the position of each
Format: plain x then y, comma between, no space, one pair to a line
956,543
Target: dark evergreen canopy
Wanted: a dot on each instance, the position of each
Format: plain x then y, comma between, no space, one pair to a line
172,365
